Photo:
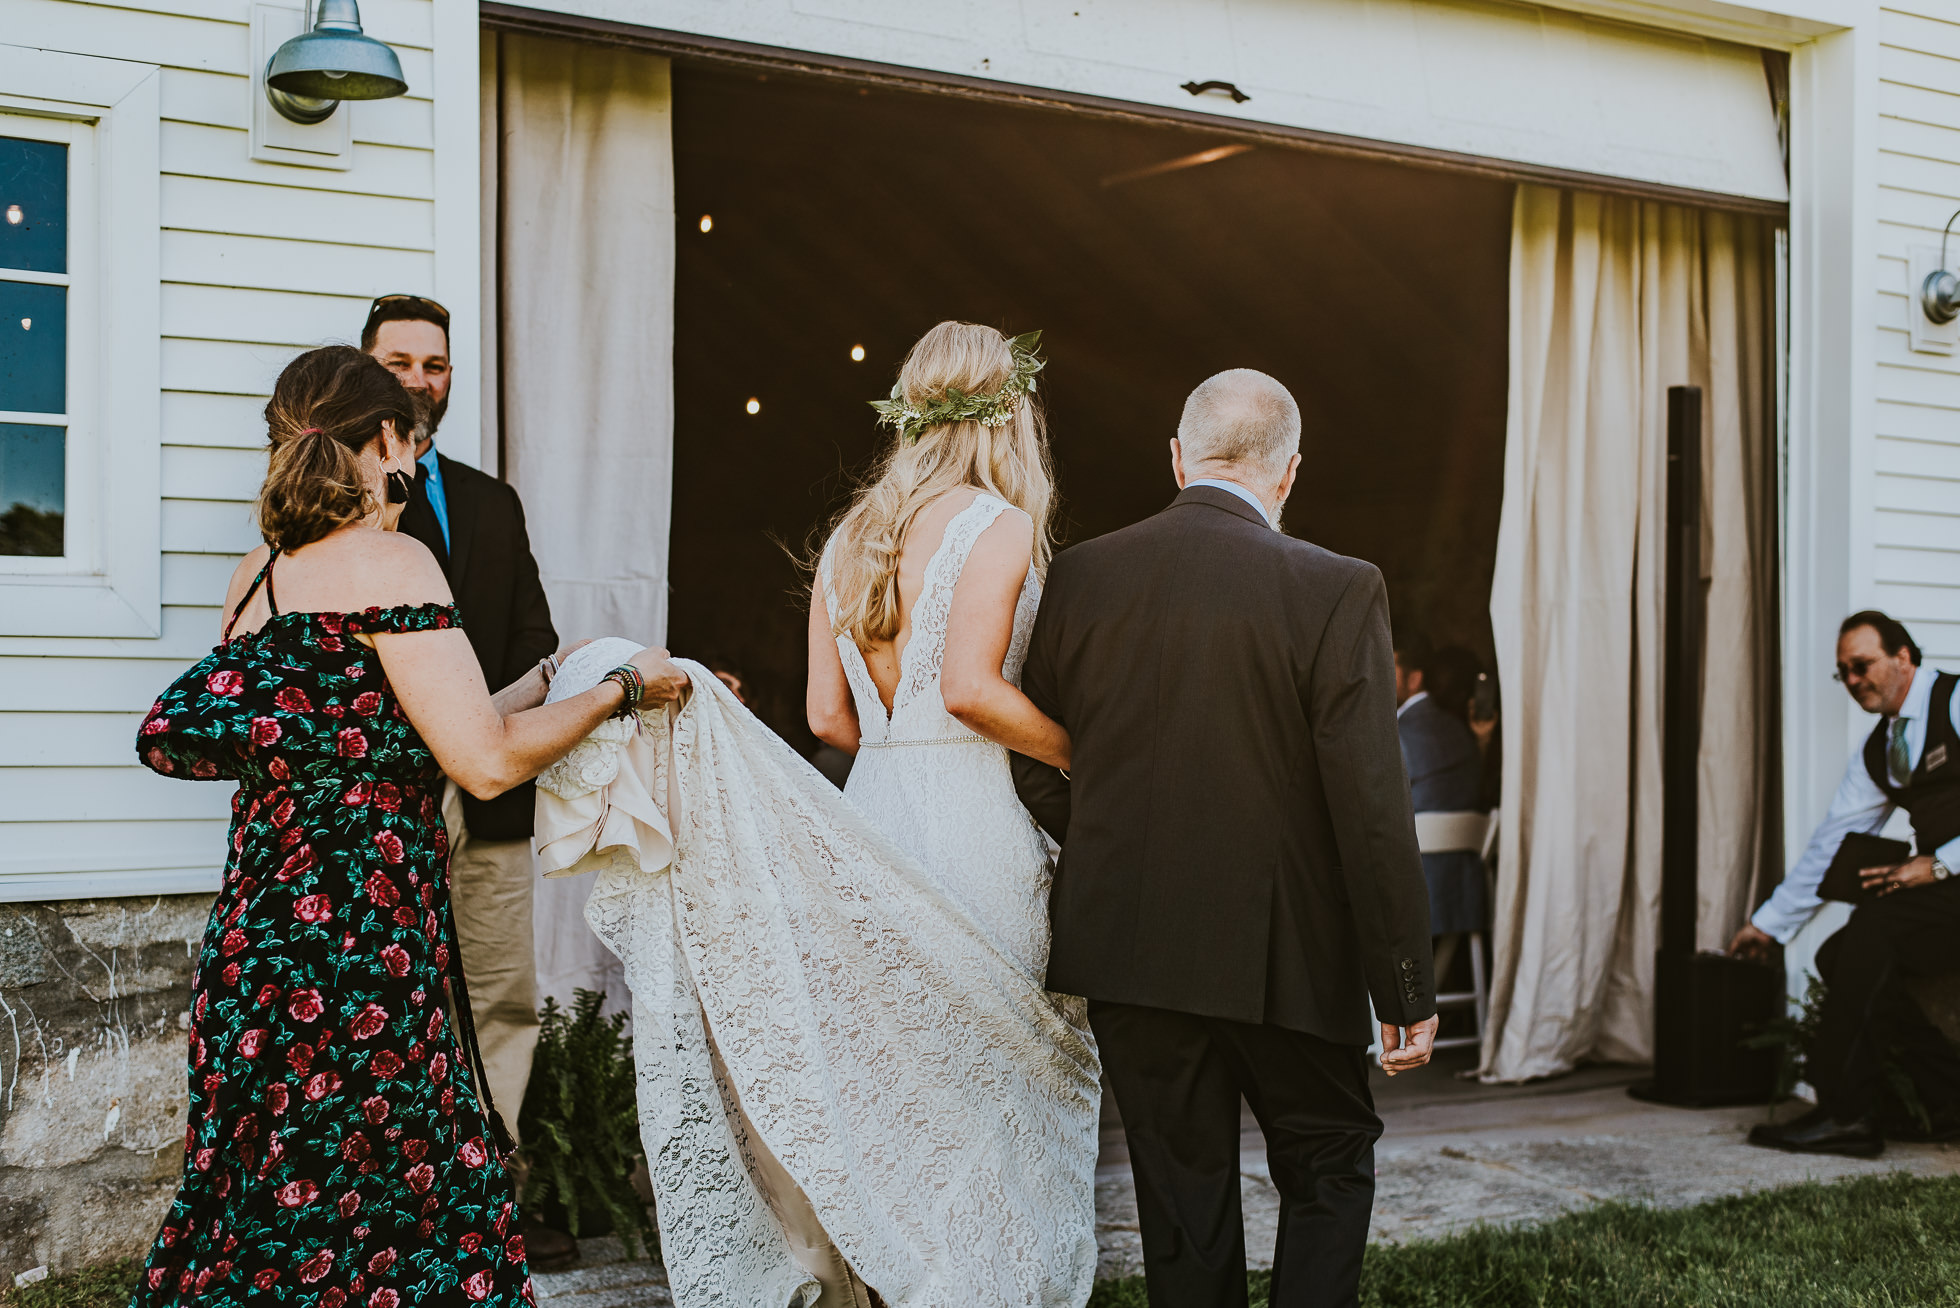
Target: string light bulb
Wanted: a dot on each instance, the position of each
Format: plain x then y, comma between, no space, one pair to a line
27,324
754,405
857,354
14,215
707,222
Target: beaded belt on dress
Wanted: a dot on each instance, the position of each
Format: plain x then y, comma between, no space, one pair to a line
928,740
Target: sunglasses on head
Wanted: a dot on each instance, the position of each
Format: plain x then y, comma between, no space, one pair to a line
387,308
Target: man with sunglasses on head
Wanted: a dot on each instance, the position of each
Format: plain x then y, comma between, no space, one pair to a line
1912,928
474,525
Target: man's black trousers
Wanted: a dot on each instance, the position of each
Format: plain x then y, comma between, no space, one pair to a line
1177,1079
1869,1018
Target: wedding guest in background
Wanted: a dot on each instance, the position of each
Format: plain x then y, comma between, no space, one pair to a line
341,1147
1911,761
1445,768
474,525
728,676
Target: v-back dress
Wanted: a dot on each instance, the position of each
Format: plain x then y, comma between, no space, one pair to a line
336,1152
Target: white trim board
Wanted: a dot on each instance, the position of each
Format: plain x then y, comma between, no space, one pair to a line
1539,87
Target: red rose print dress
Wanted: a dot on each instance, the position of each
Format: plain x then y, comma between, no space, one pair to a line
336,1153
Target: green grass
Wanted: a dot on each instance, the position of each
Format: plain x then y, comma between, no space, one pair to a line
106,1286
1869,1243
1878,1242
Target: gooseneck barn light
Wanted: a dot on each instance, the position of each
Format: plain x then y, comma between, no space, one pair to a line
311,74
1939,294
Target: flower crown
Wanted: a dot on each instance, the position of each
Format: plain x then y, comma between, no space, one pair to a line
995,410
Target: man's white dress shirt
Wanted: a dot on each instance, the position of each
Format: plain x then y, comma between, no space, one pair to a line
1858,806
1221,484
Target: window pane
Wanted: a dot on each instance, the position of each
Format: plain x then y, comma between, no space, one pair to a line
33,488
33,205
33,348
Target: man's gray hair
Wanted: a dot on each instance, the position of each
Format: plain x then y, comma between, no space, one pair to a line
1242,418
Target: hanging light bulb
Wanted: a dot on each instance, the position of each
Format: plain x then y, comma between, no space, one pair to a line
857,354
707,222
27,324
754,405
14,215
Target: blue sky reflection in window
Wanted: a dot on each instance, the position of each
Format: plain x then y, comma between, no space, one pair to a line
33,205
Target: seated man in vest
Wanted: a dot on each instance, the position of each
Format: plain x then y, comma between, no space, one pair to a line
1911,761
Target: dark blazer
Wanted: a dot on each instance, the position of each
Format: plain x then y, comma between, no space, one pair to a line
1238,838
504,611
1446,775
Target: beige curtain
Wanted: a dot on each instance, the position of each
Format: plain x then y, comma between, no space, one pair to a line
580,167
1612,301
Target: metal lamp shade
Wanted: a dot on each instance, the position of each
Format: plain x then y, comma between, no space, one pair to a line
336,64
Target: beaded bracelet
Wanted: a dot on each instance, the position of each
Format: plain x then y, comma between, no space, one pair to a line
632,683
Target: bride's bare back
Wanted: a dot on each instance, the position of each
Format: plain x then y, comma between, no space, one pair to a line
884,659
979,627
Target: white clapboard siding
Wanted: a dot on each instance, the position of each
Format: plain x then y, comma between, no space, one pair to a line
210,206
109,794
284,318
166,843
224,100
200,418
194,150
69,740
1915,491
195,472
258,261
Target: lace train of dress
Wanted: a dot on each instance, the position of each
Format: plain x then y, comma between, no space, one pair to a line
893,1050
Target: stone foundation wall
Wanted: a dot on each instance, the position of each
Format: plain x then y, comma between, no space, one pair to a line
94,1007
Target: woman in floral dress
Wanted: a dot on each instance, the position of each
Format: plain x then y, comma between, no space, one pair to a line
337,1152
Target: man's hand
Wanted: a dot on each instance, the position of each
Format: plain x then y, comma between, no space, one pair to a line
1751,943
1406,1048
1890,880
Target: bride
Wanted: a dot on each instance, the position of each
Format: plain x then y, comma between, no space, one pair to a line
853,1081
919,624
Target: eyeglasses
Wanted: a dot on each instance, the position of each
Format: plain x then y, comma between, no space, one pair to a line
388,308
1858,668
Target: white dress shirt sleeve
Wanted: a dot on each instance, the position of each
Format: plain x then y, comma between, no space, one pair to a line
1949,853
1859,805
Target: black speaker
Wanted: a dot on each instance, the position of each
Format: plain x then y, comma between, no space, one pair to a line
1705,1005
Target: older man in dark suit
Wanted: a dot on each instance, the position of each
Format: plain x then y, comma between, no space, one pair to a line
474,525
1239,871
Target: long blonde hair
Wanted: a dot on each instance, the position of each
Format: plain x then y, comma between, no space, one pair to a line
1010,462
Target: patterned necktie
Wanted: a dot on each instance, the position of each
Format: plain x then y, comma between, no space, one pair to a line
1897,761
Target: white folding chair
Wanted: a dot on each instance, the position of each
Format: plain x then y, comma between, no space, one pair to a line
1462,833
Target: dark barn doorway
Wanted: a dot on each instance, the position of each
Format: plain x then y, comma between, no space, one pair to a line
846,215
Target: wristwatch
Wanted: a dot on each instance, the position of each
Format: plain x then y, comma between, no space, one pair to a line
1940,870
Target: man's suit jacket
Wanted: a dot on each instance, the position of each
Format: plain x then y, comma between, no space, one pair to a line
1446,775
502,602
1238,836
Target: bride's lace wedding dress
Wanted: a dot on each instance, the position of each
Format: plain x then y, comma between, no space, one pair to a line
843,990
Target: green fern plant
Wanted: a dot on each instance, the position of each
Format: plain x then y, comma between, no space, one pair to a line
580,1123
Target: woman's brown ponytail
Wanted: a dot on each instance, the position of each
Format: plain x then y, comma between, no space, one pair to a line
326,407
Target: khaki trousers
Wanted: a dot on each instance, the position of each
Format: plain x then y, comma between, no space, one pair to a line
490,894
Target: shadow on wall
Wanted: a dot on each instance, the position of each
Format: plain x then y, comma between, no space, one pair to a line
94,1004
